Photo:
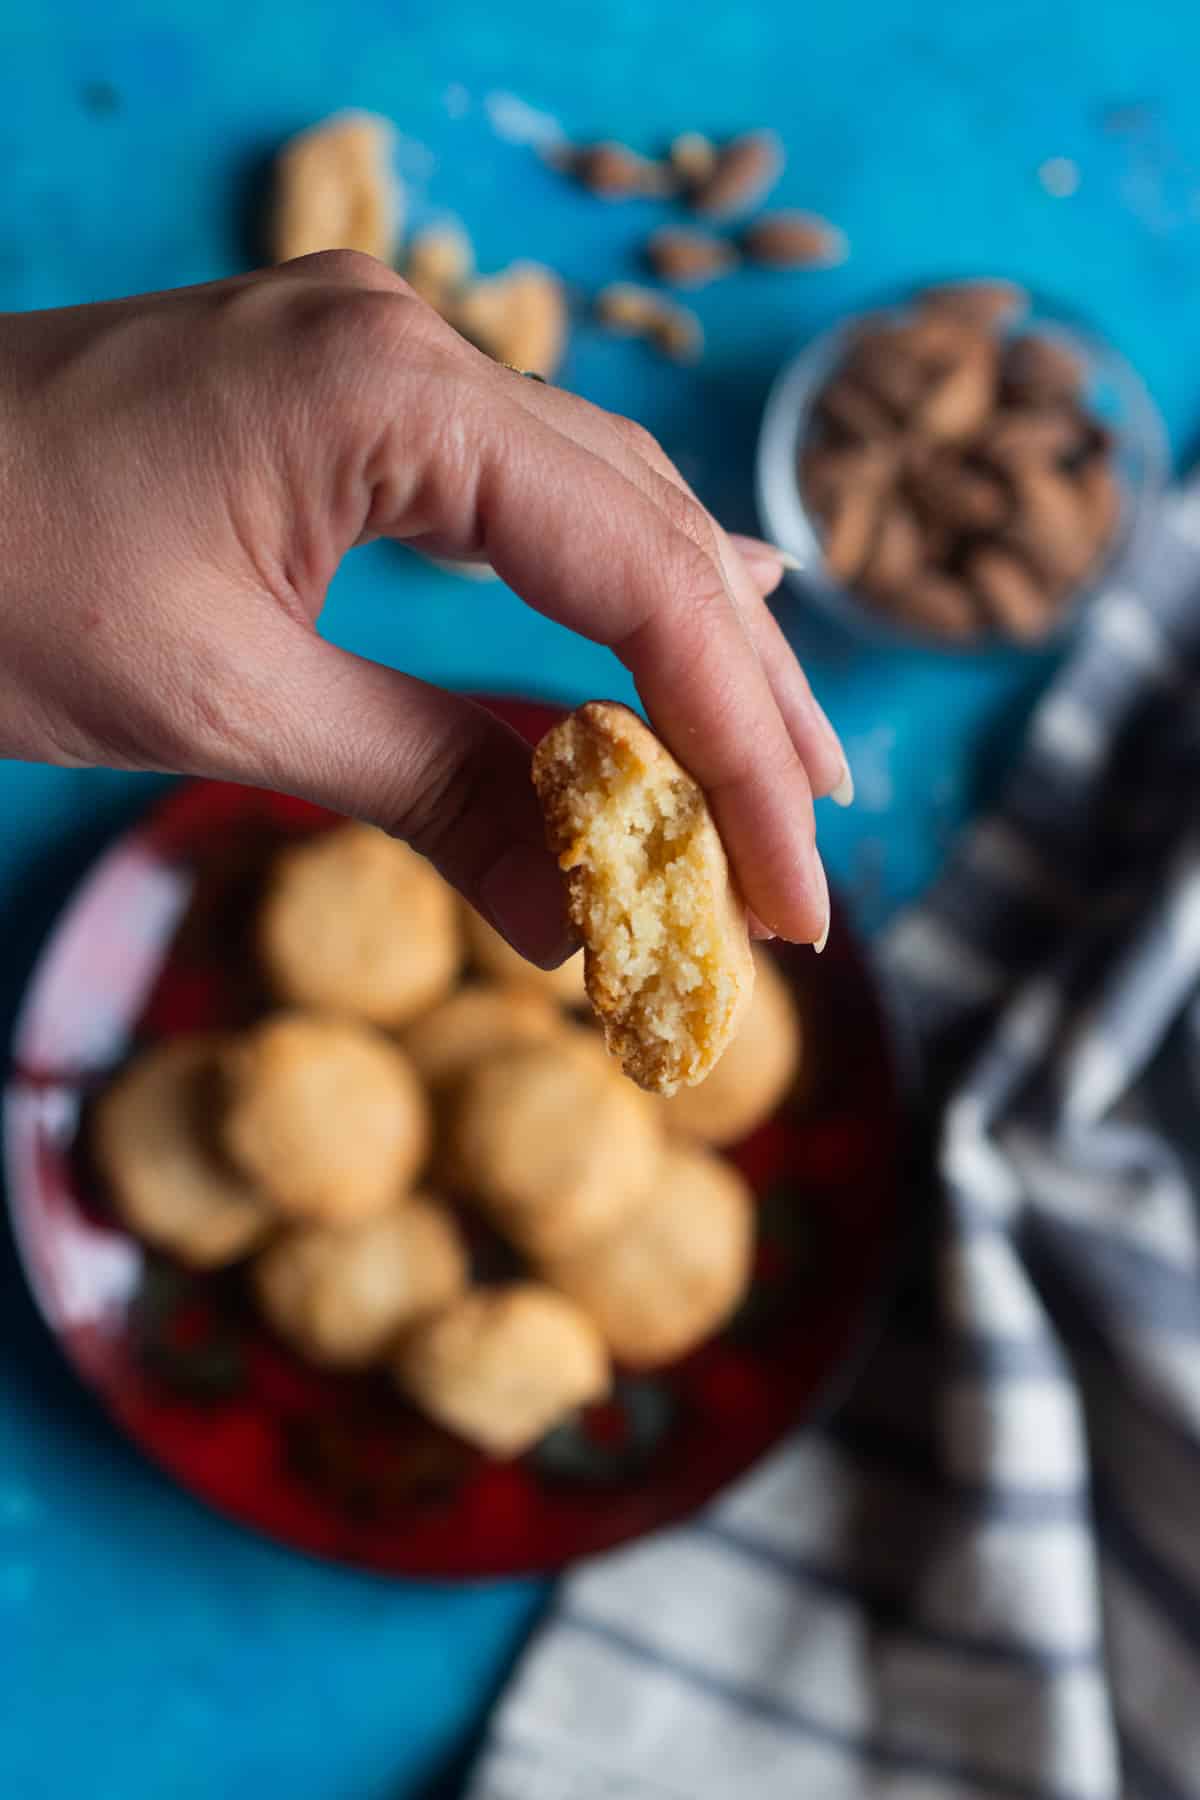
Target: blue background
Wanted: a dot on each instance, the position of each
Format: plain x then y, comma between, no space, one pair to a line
147,1649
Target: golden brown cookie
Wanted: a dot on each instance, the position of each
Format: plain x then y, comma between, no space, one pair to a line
552,1142
495,958
477,1021
154,1135
672,1273
502,1365
756,1071
341,1297
355,922
666,952
325,1115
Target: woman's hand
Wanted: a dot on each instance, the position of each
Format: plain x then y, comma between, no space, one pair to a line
180,475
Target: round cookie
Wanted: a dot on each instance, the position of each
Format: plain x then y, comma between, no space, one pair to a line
671,1274
495,958
326,1116
155,1141
756,1071
502,1365
355,922
477,1021
552,1143
666,949
341,1297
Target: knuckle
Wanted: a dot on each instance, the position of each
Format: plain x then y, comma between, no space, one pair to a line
643,443
346,268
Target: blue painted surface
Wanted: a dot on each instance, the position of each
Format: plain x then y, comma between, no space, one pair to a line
146,1649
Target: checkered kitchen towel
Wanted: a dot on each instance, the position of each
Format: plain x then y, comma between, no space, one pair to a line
983,1578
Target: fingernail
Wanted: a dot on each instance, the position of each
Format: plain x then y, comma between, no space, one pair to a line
759,550
522,894
762,934
843,793
820,942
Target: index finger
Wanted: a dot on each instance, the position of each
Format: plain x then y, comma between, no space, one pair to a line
582,545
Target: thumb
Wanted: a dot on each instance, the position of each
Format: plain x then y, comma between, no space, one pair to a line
427,766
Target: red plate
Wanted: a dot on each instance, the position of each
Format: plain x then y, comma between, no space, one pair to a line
151,945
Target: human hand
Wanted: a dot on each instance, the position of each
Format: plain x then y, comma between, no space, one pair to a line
180,475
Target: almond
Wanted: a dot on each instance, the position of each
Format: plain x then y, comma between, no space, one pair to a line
986,303
745,168
1019,435
519,317
693,157
941,605
335,190
957,403
794,240
897,552
1013,600
883,363
1050,525
853,521
614,172
855,413
1100,494
689,258
952,491
628,310
677,332
1039,371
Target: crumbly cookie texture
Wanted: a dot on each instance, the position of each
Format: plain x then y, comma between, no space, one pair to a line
342,1297
762,1063
502,1365
155,1139
355,922
326,1116
676,1270
667,955
551,1143
494,957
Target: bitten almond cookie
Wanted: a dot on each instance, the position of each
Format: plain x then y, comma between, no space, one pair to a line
672,1273
155,1139
502,1365
355,922
325,1116
667,955
341,1297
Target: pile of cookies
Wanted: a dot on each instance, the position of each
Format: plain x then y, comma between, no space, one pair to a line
421,1085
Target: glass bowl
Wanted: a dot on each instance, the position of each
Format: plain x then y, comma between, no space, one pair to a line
1112,391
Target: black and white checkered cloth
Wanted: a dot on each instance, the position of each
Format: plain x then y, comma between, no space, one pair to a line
983,1578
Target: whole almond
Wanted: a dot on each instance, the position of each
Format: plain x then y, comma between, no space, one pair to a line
613,171
827,474
986,303
745,168
794,240
855,413
942,605
853,521
897,552
627,310
678,333
1050,525
1039,370
689,258
953,491
882,363
957,404
693,158
1017,435
1012,598
1100,494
